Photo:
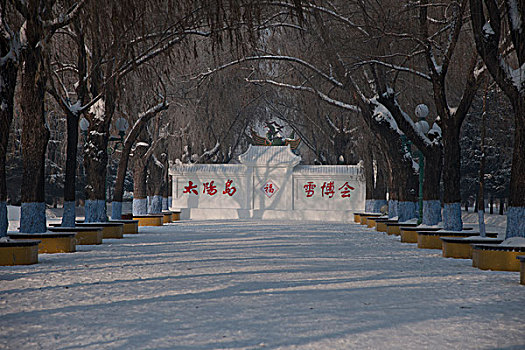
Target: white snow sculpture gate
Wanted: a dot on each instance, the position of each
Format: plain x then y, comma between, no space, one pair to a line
268,184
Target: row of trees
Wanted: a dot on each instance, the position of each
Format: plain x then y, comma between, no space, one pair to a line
366,62
364,57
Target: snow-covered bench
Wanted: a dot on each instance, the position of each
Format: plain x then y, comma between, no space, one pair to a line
18,252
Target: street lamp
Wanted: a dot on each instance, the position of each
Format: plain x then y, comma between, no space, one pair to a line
121,125
84,126
423,127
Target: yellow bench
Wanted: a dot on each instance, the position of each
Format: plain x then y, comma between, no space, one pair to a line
19,252
109,229
461,247
432,239
130,226
50,242
149,220
496,257
83,235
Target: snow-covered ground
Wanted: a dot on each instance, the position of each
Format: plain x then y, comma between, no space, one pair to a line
255,285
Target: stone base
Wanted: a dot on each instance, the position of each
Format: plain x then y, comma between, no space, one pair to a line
381,226
432,239
409,234
372,221
109,229
166,217
175,216
461,248
83,235
496,257
395,228
130,226
149,220
521,258
50,243
19,252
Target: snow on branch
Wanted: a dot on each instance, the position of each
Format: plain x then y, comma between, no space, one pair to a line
64,19
321,95
304,63
313,7
396,67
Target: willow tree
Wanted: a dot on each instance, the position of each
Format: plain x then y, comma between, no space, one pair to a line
126,35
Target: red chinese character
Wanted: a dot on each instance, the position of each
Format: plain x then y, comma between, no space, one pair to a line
309,189
328,189
229,189
346,188
190,188
268,188
210,188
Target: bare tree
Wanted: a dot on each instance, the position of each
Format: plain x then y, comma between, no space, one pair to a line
493,35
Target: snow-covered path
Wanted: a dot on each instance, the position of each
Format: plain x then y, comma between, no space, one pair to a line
252,285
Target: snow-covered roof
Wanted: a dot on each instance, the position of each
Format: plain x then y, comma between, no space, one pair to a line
274,156
328,169
218,169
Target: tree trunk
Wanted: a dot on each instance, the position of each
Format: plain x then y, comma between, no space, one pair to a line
68,218
155,183
144,118
380,188
451,176
95,164
35,134
140,201
8,74
431,188
118,193
165,183
516,206
369,179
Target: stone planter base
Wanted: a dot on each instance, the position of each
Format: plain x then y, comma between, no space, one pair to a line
360,218
19,252
175,216
83,235
109,229
149,220
166,217
496,257
130,226
394,228
372,221
50,243
432,239
409,234
461,248
381,226
521,258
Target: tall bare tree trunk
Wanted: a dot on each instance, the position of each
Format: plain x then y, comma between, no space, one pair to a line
69,216
35,134
140,201
144,118
516,205
155,185
8,75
